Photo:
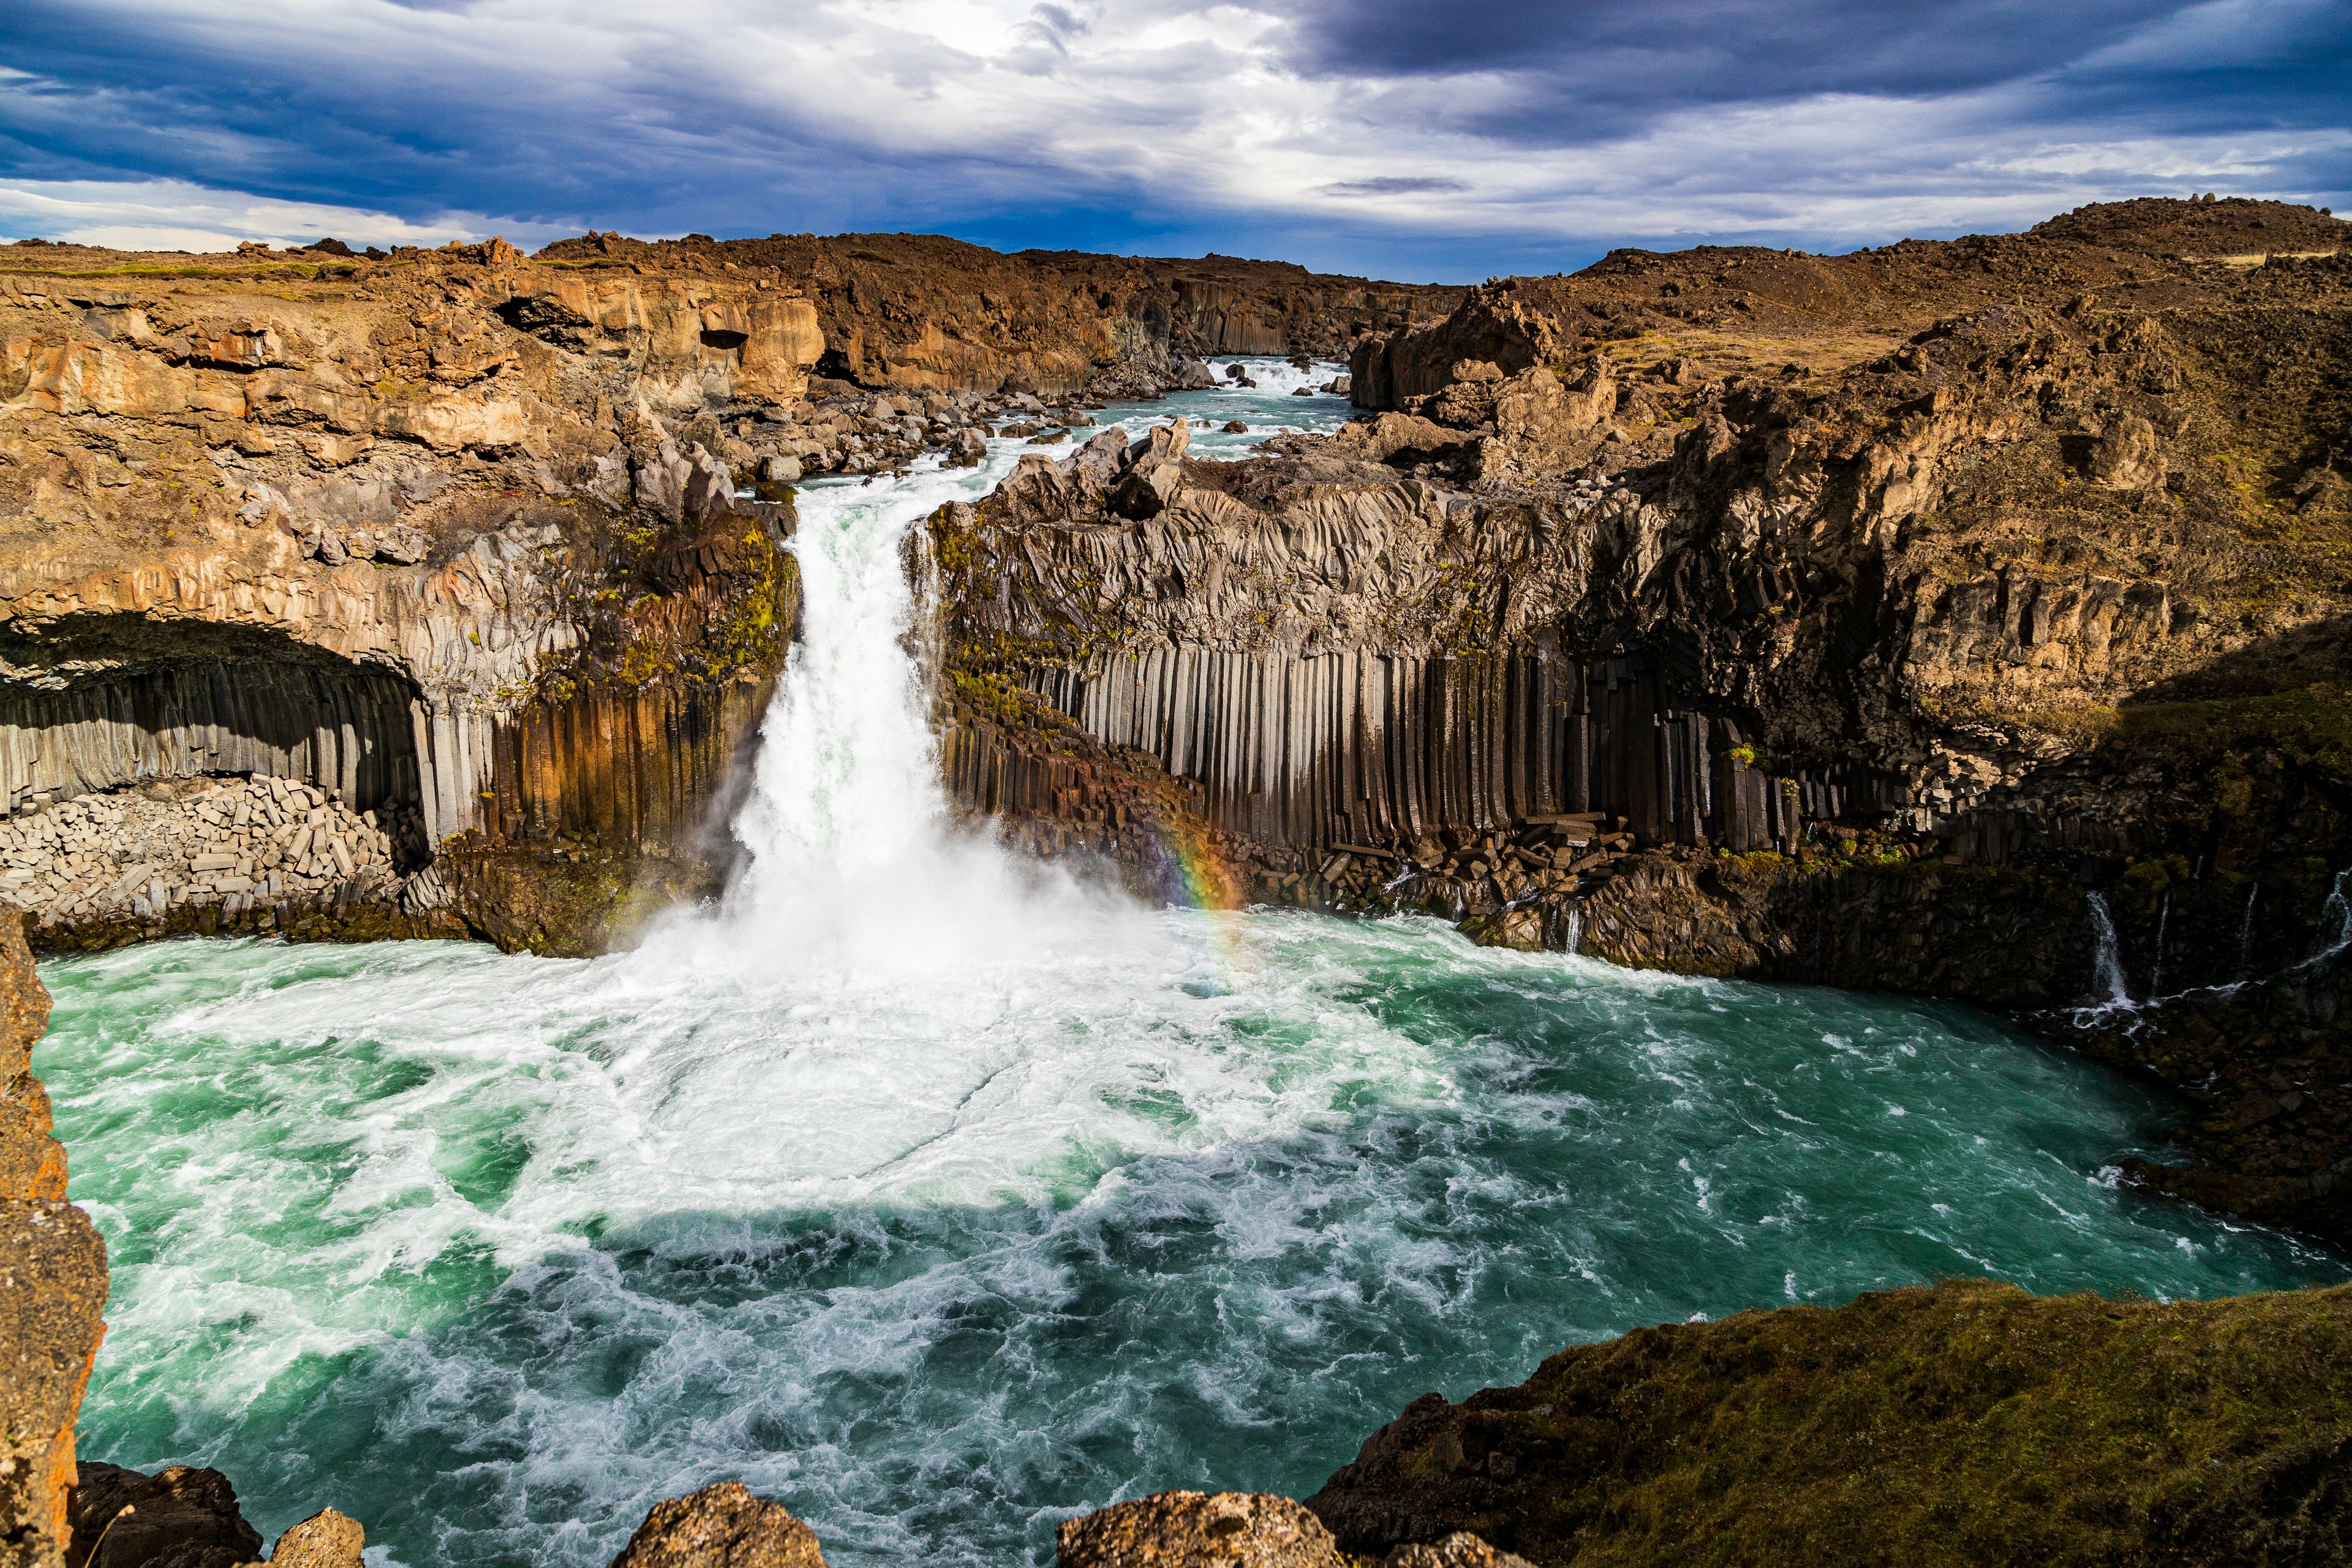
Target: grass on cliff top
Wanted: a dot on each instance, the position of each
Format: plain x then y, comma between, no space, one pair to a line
1967,1424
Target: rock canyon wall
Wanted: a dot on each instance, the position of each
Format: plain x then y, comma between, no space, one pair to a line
1848,620
486,550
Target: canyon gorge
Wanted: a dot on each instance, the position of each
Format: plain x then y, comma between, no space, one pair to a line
1055,876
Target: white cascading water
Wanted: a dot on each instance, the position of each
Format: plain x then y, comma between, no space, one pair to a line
853,861
2334,923
2106,959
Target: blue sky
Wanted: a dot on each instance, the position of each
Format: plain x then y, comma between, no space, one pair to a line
1398,138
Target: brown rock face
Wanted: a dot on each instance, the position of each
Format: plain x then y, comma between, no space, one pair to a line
721,1526
53,1285
1459,1550
1198,1530
925,312
180,1516
325,1540
32,1163
445,539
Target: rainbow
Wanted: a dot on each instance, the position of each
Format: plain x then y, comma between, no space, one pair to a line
1210,883
1205,877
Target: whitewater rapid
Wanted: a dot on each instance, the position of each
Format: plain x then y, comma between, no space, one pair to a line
944,1197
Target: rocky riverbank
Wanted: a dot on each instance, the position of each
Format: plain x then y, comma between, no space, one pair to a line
215,855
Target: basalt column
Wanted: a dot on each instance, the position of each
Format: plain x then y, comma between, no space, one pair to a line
121,704
1304,751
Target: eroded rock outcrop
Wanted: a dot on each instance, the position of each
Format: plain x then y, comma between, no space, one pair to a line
721,1526
394,532
925,312
1968,1423
1198,1530
53,1285
183,1516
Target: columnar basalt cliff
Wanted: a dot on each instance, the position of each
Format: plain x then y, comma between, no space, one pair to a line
1841,619
486,551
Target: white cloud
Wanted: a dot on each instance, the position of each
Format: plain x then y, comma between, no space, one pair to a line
173,215
740,114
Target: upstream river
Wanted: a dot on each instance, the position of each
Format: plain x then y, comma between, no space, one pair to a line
943,1198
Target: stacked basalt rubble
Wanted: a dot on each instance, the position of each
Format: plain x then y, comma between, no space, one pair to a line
245,852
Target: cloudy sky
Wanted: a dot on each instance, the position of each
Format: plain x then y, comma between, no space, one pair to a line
1414,139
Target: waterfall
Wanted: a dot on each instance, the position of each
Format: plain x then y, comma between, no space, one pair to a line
2108,965
854,862
2163,918
2336,910
1574,934
2246,937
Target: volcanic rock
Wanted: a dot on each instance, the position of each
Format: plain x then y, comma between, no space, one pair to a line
1198,1530
180,1516
328,1540
721,1526
1459,1550
53,1283
1889,615
1970,1422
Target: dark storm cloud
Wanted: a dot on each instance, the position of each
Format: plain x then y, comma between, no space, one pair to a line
1572,71
1669,54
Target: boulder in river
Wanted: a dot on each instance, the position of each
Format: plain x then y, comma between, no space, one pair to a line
1521,927
1459,1550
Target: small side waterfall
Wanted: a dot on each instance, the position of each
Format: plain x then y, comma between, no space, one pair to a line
2108,964
1573,937
2334,923
2246,936
2163,918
